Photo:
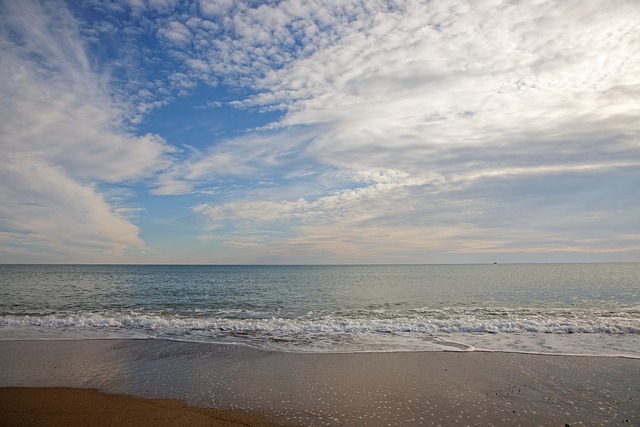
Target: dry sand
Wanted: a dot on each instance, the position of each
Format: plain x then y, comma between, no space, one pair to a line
365,389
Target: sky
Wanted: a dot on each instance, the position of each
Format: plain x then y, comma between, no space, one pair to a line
319,131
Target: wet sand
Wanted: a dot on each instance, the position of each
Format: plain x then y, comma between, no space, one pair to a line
64,407
305,389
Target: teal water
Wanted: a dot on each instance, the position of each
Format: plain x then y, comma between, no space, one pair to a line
548,308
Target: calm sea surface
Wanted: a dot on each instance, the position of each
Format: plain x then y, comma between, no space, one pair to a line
544,308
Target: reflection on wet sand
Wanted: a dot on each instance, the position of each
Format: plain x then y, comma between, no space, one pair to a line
411,388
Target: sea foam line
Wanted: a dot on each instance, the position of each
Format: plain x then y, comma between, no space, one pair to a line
176,325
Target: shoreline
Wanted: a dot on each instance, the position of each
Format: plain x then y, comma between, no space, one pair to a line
288,351
627,347
398,388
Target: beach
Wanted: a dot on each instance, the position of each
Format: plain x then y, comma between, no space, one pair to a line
87,407
212,384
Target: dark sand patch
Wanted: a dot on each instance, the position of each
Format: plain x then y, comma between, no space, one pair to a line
64,407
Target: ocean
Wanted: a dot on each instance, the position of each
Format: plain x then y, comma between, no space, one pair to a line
572,309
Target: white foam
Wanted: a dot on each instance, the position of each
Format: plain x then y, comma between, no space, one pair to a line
431,330
334,324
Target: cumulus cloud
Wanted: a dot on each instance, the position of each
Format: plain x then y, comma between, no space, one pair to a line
176,33
61,133
215,7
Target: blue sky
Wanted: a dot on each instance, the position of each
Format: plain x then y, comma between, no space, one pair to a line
320,131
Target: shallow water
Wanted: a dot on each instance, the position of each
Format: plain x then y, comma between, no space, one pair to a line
546,308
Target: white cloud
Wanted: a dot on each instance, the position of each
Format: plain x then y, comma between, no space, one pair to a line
489,76
395,215
368,216
78,133
424,124
176,33
377,185
469,100
250,155
404,76
215,7
61,132
63,220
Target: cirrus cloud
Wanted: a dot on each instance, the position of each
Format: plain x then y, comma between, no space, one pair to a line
62,132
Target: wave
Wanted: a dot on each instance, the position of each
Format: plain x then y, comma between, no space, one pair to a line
427,321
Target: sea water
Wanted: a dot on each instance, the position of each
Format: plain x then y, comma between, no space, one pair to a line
589,309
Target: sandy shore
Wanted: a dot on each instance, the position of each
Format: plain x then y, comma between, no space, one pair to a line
66,407
369,389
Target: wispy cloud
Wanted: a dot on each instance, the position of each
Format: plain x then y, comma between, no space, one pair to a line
407,130
61,132
252,155
62,218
